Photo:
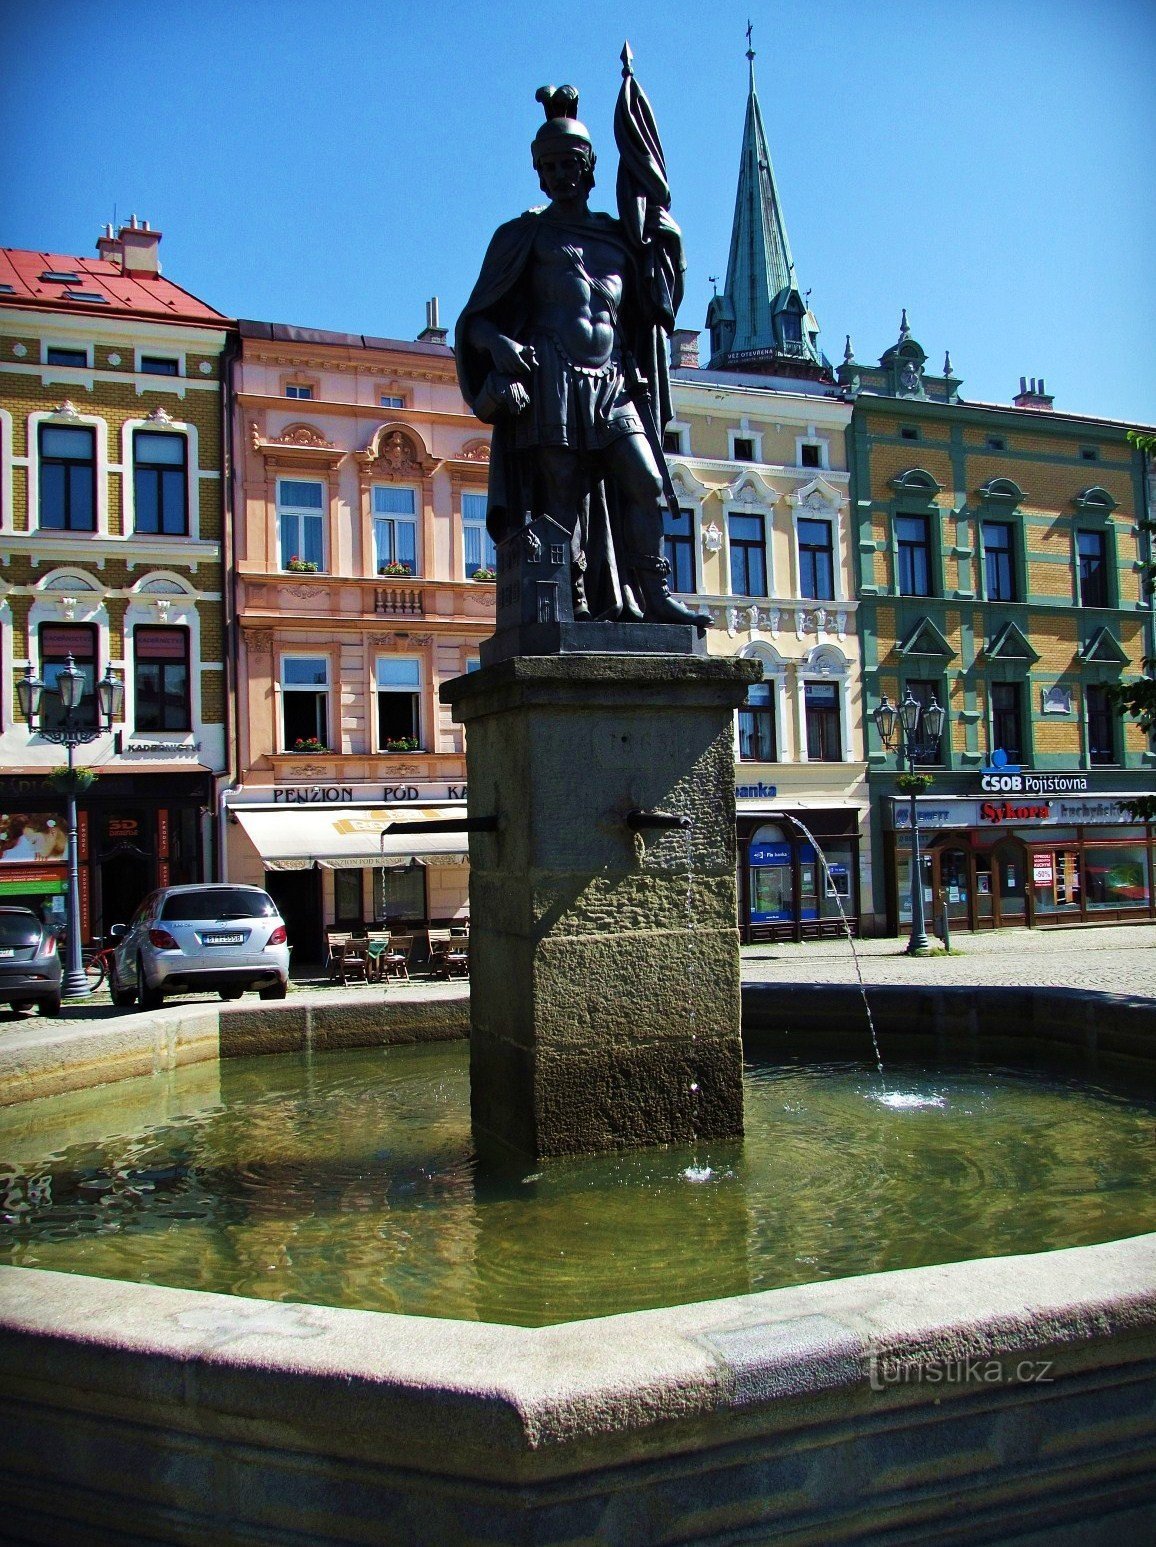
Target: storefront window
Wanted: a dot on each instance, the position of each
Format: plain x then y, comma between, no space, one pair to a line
903,871
835,885
1056,882
1117,877
770,876
399,895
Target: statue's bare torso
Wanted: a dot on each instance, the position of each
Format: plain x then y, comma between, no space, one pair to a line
564,303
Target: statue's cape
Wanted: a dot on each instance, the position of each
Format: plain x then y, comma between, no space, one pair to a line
502,297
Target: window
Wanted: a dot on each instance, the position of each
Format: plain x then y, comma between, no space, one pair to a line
304,701
398,701
61,277
913,549
298,391
757,724
161,679
791,327
399,895
672,442
995,443
301,523
923,690
810,455
824,741
391,400
93,296
53,356
57,643
1089,454
678,546
908,432
67,478
1101,726
1006,721
816,561
395,527
160,483
748,556
999,571
479,545
1092,550
744,449
159,365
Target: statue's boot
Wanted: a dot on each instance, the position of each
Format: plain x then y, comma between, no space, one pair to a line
581,605
661,607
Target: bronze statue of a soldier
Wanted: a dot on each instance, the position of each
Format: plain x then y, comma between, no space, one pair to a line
562,347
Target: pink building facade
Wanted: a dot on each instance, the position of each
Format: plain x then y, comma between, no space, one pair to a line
362,580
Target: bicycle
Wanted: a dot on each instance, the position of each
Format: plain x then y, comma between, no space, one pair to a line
97,964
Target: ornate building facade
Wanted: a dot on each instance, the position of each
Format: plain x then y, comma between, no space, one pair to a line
362,579
110,552
999,555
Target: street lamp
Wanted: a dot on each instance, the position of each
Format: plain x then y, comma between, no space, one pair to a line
899,730
71,734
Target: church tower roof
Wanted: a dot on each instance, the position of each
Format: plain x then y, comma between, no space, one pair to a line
761,323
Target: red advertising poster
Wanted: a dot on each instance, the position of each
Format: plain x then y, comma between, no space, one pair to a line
1042,869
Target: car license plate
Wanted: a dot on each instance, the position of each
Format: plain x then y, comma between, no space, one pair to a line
7,951
223,939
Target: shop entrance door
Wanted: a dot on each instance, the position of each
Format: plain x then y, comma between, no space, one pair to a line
297,894
951,883
1009,871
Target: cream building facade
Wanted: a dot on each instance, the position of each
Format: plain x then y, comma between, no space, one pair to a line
358,493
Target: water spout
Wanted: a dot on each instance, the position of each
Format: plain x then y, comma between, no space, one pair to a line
640,821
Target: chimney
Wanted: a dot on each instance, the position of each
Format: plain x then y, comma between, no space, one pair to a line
684,349
1032,395
108,248
139,248
433,332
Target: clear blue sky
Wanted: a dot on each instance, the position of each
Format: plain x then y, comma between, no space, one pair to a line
987,164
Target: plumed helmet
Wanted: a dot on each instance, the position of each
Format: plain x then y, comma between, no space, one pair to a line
562,130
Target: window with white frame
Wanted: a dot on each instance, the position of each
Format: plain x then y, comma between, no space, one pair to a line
480,552
301,523
757,739
391,400
304,702
160,483
678,548
394,530
297,390
67,478
747,539
816,559
398,703
821,709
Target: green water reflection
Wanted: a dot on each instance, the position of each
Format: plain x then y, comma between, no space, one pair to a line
348,1180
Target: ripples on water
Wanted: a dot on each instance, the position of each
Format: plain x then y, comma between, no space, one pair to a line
349,1180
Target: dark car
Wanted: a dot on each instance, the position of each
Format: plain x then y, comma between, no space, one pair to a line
29,966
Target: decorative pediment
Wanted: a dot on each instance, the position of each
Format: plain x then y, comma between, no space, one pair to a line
1104,650
916,482
397,451
1010,645
68,580
925,639
299,445
1094,501
475,451
825,661
751,489
818,495
684,480
1002,491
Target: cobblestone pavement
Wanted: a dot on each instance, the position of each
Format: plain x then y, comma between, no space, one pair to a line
1112,958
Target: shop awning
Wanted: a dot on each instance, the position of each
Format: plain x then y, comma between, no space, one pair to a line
350,838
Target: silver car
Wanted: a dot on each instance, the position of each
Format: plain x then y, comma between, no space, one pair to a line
220,936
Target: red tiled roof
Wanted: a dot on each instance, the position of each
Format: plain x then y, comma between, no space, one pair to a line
137,295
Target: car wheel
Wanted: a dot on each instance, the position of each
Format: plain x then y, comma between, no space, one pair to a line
150,998
123,998
49,1006
277,991
230,993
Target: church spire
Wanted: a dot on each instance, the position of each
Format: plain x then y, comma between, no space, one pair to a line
761,322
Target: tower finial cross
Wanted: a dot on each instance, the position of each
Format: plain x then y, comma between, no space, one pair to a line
750,46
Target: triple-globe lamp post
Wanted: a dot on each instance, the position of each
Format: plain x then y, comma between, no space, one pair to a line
904,729
70,732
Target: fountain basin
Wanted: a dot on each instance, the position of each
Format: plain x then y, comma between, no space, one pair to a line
828,1410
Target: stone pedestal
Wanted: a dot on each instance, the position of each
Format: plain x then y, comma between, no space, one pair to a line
604,961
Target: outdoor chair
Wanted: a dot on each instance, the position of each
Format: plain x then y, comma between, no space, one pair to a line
376,954
352,962
335,942
397,956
